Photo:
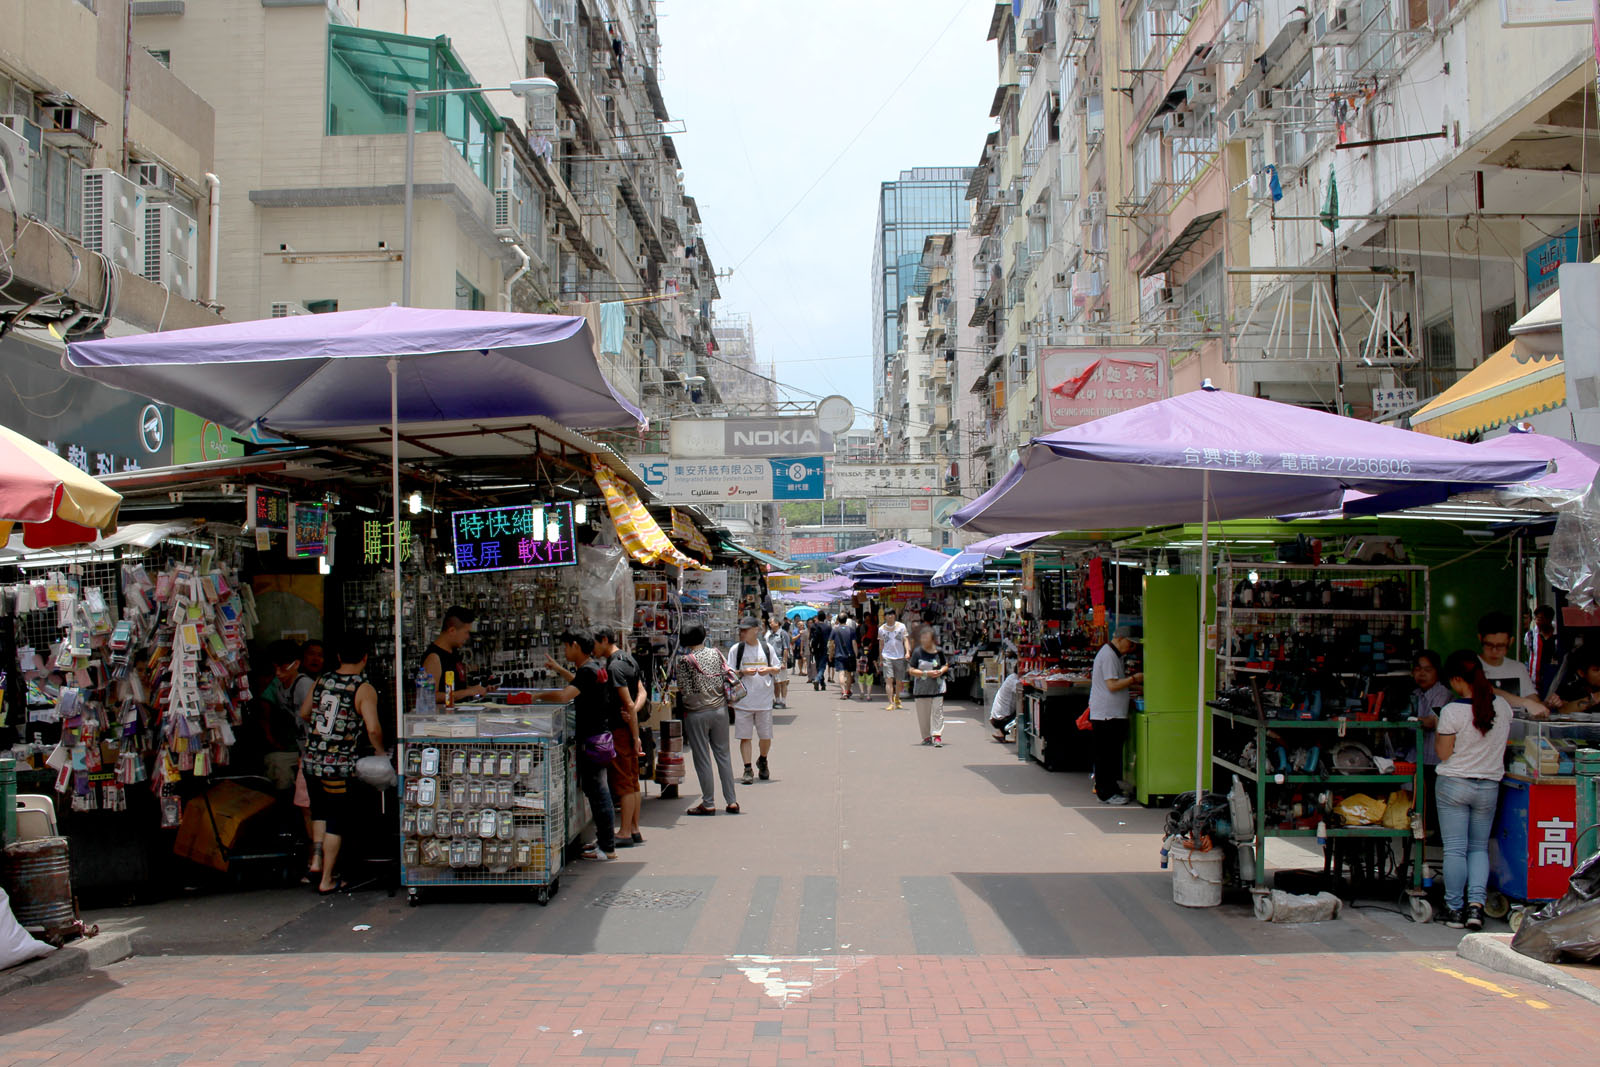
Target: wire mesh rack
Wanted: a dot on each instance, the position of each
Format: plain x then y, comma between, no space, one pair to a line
484,812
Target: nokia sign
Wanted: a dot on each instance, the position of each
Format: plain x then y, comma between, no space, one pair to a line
749,437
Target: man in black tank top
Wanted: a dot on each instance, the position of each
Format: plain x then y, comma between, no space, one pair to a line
444,655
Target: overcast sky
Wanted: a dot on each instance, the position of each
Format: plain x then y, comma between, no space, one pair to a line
771,91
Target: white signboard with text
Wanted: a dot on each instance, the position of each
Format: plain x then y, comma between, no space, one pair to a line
863,481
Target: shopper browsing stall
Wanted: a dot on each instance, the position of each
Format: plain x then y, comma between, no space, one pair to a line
627,680
1110,692
1472,750
1584,694
757,663
599,720
778,638
339,706
443,662
699,673
1509,677
927,667
1004,708
895,641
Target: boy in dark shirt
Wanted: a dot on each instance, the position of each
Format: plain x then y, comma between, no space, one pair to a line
628,684
595,702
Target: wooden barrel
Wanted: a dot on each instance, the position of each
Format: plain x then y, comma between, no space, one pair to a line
37,875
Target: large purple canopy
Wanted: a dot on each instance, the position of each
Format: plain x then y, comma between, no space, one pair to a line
309,373
1000,544
1576,465
911,561
1145,467
877,548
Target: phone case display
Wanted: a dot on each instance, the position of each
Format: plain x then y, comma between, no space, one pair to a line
484,812
1305,659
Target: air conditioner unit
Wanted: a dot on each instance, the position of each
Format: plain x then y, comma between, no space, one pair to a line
1263,104
642,262
171,249
113,218
1334,28
27,129
1091,85
1235,125
1095,201
155,179
1179,124
1099,314
567,129
1080,105
283,309
1029,28
16,184
1200,91
71,125
507,214
1063,279
1038,209
1093,138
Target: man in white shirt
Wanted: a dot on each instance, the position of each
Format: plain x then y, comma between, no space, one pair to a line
757,663
1508,676
895,640
1004,708
1109,695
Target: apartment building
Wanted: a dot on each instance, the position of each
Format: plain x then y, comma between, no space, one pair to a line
538,205
104,164
1160,177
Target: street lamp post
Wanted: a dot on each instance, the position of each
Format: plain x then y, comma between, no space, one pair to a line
527,88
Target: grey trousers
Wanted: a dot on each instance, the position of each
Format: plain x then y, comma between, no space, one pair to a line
707,731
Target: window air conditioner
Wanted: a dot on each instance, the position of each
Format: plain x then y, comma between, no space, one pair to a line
1200,91
1334,28
1095,201
113,218
27,129
16,183
171,249
283,309
567,129
71,125
155,179
507,215
1265,104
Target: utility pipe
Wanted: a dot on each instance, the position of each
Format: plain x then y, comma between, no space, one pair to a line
512,281
213,231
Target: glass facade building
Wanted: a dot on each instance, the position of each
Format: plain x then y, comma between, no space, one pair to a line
923,202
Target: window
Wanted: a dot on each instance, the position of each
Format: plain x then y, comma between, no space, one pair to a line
322,307
1438,356
1038,137
369,74
1294,134
1497,327
57,185
1146,164
161,55
467,297
1143,29
1192,154
1202,294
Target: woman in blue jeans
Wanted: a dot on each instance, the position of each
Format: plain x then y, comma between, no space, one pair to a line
1471,741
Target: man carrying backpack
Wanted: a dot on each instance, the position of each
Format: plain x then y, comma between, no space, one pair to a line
757,663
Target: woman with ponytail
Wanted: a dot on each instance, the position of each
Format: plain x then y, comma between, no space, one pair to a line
1471,741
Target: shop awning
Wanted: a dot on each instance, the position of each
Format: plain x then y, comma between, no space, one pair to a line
1510,385
756,554
639,533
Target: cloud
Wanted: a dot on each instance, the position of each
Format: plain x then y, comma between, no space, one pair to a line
770,91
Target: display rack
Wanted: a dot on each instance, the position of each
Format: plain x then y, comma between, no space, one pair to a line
497,807
1304,653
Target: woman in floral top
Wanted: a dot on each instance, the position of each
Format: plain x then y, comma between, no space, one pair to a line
699,672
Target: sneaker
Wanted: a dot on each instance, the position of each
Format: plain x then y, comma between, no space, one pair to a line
1454,918
749,775
1117,801
1474,917
927,742
938,742
592,852
761,768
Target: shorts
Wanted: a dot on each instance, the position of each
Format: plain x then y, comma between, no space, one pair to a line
844,663
752,723
624,770
330,802
894,668
281,769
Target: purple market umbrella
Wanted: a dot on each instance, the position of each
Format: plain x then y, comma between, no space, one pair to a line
911,562
1226,455
1000,544
958,568
1575,466
877,548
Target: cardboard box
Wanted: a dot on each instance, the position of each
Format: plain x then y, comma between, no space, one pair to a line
232,806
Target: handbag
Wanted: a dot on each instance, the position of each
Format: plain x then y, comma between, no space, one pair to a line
601,748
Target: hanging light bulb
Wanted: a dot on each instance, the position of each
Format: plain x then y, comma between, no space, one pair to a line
580,513
538,524
415,502
322,565
552,529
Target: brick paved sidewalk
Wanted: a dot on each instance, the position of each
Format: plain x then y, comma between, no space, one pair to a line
606,1009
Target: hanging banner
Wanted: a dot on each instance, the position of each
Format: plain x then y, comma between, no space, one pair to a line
783,583
1543,264
684,529
682,480
764,436
864,481
812,546
1081,384
1027,572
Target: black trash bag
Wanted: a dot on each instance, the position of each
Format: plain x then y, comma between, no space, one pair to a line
1184,821
1566,930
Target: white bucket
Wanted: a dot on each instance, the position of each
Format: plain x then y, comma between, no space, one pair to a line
1196,876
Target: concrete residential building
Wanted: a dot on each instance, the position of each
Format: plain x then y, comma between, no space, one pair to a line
529,205
104,160
922,202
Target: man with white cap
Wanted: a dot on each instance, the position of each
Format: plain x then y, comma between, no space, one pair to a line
757,663
1110,688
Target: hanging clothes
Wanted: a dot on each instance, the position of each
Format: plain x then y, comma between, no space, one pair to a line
613,325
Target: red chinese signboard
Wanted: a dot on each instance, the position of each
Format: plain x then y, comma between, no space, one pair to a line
811,546
1081,384
1552,834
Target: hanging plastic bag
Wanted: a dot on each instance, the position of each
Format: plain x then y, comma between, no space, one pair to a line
1568,929
1358,809
605,594
1397,815
1574,560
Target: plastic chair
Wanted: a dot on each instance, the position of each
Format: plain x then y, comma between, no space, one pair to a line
36,817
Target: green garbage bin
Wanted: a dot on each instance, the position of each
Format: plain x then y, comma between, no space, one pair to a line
1586,765
8,799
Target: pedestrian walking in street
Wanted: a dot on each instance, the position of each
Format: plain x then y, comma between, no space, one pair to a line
633,701
846,647
779,639
758,663
1110,692
799,647
895,640
867,660
338,708
699,673
599,722
821,640
1471,742
927,668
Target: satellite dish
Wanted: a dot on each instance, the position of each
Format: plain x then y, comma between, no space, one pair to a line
835,414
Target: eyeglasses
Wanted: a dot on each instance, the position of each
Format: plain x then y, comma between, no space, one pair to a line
1496,646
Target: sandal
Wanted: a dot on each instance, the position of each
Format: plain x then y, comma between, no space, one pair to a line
701,809
341,886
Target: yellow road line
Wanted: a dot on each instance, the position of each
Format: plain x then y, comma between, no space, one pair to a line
1489,987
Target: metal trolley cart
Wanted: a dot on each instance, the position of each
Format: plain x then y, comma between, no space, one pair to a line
485,799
